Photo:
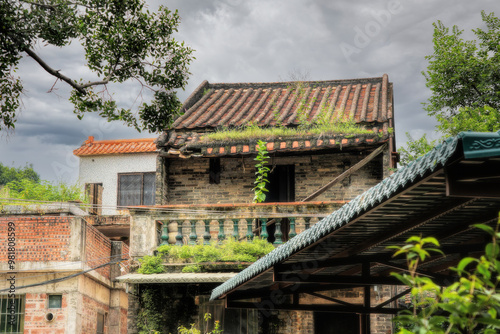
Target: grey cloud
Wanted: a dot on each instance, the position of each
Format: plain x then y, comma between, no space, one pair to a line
251,40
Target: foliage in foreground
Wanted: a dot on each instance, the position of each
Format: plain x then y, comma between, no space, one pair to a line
470,305
229,250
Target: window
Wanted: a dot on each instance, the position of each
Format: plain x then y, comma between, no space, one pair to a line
214,171
136,189
12,318
55,301
101,318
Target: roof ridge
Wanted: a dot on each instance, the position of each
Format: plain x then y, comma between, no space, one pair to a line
117,141
218,85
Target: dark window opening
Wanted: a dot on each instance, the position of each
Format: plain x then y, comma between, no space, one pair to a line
336,323
136,189
214,171
281,188
101,318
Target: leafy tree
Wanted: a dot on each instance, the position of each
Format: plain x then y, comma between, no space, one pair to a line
464,74
415,148
10,174
122,41
464,78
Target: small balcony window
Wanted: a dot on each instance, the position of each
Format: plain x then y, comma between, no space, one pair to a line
136,189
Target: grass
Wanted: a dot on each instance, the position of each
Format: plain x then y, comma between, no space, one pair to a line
253,131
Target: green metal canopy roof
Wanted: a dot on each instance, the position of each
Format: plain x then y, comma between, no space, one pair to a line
423,204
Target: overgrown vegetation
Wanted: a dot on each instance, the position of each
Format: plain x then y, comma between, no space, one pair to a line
261,173
44,191
195,256
24,183
165,308
318,128
194,330
469,305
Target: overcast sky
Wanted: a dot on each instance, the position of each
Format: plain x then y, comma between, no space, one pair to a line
250,41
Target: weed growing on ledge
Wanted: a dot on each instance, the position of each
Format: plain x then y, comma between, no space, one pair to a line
193,256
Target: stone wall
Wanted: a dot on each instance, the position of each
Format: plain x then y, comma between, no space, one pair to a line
188,179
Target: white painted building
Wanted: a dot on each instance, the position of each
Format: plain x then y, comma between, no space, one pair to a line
117,173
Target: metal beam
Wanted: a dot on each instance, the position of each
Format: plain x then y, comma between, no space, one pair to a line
348,280
268,305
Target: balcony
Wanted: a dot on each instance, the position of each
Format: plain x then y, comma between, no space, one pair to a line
205,223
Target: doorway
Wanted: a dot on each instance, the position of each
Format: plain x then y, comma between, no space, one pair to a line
281,188
336,323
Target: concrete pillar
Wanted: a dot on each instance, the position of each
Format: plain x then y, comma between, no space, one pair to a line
143,237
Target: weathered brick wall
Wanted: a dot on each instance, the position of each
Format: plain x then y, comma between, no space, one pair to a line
188,179
296,322
37,238
89,310
36,308
303,321
123,321
97,250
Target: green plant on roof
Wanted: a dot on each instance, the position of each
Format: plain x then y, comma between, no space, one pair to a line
261,173
320,127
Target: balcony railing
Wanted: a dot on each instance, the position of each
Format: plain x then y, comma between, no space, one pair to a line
203,224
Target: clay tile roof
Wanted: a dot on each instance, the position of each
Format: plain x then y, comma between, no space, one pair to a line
121,146
366,101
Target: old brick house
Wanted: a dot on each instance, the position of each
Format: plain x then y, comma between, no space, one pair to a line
59,271
204,184
194,169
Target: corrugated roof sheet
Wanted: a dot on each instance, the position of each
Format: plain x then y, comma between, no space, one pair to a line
121,146
176,278
487,144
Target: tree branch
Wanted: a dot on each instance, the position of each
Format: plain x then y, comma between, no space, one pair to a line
53,7
62,77
53,72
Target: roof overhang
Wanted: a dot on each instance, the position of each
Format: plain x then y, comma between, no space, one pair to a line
442,194
176,278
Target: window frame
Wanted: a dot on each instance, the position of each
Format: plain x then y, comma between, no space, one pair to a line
48,301
104,318
142,187
20,314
